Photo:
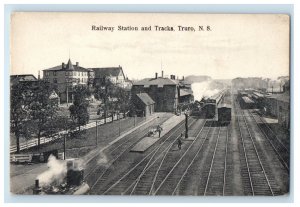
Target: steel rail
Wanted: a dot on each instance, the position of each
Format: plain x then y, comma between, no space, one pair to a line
212,162
286,166
192,162
141,161
197,136
260,162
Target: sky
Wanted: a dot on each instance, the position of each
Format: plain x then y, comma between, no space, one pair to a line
236,46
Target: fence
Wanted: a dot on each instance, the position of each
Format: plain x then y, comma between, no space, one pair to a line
43,140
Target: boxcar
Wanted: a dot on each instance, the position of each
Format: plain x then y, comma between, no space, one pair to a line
224,114
209,110
247,103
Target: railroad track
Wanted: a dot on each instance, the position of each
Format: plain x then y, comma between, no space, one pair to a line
118,184
212,157
281,151
216,180
257,176
153,177
118,149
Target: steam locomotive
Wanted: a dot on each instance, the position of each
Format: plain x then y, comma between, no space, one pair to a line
216,107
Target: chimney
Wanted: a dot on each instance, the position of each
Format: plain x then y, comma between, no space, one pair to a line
77,64
37,188
63,65
39,75
162,73
156,75
182,77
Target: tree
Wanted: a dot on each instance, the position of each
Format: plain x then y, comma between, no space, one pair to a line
79,109
122,102
19,111
104,91
43,110
113,97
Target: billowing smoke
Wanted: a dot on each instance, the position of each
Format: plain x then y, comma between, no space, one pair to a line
103,160
204,89
55,174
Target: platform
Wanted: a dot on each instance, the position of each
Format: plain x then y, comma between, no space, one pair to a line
147,142
144,144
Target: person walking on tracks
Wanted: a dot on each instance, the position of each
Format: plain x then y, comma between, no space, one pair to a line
179,142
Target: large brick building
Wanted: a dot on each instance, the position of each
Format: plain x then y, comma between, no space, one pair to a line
163,91
65,76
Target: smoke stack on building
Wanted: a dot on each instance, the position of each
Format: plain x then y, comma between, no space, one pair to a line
156,75
162,73
63,65
77,64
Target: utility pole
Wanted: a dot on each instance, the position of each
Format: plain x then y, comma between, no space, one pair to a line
64,146
119,124
186,125
96,133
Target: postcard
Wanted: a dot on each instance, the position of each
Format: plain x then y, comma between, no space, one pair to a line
149,104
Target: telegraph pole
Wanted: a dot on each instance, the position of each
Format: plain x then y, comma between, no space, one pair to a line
96,133
186,125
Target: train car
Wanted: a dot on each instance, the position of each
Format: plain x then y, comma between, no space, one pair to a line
209,110
224,114
247,103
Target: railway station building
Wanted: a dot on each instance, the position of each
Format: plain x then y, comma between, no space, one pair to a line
163,91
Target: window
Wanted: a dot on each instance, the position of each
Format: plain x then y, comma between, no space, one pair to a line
54,80
54,73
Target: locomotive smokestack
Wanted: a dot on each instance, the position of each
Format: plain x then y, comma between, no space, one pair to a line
37,188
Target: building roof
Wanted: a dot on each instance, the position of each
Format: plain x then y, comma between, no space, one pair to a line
110,71
68,67
185,92
259,95
156,81
53,95
22,78
247,99
224,105
145,98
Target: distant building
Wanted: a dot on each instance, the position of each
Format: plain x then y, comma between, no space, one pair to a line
163,91
26,78
65,76
114,74
278,105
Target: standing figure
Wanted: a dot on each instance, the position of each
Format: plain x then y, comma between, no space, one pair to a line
159,129
179,143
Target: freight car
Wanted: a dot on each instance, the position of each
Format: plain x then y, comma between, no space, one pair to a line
209,110
224,114
247,103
